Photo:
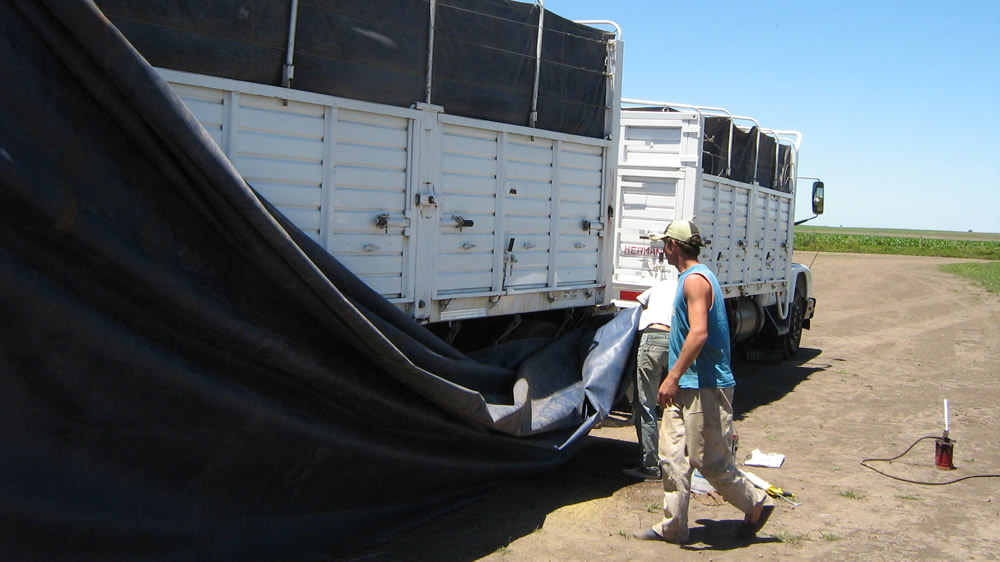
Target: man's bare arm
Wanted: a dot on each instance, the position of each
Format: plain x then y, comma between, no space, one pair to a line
698,294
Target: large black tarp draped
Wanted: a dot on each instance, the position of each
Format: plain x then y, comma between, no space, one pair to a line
185,375
484,53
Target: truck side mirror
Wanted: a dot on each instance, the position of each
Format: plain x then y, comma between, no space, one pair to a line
818,198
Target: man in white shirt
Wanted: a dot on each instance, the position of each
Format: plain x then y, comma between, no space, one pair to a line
651,365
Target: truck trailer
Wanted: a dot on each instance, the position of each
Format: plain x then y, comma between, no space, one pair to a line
484,214
737,181
457,157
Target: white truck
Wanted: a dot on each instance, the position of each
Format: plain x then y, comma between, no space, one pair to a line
452,219
737,181
458,157
509,229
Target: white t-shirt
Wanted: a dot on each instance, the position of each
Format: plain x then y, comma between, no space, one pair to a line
657,303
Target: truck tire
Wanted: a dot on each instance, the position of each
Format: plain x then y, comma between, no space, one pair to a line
791,341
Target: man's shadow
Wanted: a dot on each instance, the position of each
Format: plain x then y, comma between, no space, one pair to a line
721,535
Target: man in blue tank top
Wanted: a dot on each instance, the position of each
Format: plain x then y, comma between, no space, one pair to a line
697,397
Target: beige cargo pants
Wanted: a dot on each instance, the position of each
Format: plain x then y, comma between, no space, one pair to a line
697,433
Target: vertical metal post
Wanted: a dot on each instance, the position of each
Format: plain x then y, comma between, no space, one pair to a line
533,117
555,213
430,50
756,158
729,151
288,72
777,170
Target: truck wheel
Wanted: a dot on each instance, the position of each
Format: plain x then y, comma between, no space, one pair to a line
791,341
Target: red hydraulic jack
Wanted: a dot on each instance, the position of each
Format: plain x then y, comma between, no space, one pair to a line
944,448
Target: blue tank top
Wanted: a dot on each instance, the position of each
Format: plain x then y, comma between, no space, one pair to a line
711,369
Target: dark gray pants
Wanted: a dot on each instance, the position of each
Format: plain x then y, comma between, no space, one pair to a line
651,366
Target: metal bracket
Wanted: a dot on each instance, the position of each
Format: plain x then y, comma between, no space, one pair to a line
461,222
592,226
426,200
386,221
509,259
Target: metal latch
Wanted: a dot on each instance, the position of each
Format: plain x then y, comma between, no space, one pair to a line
426,200
427,197
459,221
509,259
593,226
386,221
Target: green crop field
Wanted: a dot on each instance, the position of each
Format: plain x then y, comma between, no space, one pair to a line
964,245
926,234
899,242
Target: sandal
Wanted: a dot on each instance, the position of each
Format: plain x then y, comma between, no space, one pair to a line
748,529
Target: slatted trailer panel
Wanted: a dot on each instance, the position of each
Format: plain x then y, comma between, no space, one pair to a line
449,217
331,170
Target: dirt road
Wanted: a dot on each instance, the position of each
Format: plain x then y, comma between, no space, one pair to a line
892,338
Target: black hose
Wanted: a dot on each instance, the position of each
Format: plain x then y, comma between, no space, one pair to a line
917,481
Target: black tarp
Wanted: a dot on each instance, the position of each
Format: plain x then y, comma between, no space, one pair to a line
784,176
715,151
185,375
770,162
767,154
743,159
376,50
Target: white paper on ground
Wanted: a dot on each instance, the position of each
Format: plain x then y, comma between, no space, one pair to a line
770,460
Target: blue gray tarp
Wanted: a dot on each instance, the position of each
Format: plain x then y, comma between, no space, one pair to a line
184,374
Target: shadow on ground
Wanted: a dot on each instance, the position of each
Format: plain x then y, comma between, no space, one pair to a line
720,535
515,510
520,508
759,383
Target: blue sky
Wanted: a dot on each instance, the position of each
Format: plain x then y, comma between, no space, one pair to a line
898,101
